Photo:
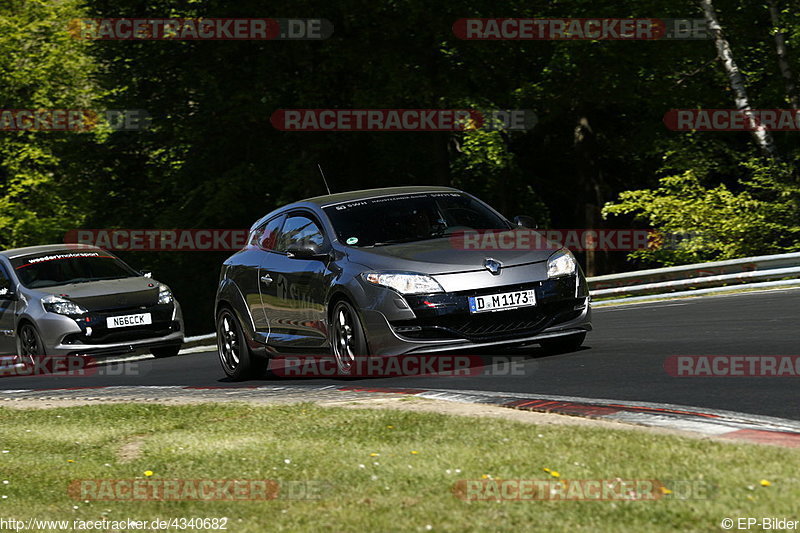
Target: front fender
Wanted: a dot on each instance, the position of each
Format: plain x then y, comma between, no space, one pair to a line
228,293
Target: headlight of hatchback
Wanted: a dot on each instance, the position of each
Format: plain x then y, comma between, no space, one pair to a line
164,294
404,282
561,263
61,306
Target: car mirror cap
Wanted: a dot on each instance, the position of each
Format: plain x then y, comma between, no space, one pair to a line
310,251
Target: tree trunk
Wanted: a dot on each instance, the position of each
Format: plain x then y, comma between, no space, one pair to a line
783,60
762,136
589,176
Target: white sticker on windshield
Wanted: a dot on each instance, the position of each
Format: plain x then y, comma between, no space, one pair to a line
352,240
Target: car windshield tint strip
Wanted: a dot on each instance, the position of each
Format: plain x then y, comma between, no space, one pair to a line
49,270
56,257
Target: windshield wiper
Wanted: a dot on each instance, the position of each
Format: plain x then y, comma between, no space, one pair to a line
394,241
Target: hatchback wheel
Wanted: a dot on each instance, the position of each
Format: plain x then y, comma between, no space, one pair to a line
347,337
29,343
234,354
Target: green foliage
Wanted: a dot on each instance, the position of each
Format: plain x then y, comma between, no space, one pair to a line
717,223
41,66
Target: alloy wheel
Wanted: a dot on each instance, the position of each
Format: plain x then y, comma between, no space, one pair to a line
343,338
228,341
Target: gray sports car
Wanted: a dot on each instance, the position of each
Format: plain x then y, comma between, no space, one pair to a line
75,299
377,273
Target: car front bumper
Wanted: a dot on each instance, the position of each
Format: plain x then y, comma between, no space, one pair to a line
63,335
117,348
442,322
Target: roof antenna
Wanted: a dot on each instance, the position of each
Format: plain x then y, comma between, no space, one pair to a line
323,178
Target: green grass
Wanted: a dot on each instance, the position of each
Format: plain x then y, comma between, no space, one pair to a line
404,492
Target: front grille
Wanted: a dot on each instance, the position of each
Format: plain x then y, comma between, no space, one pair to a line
100,333
499,325
447,316
491,324
121,336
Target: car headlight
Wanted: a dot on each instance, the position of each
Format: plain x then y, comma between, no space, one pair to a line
61,306
164,294
404,282
561,263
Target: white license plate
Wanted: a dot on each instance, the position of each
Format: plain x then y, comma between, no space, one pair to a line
128,321
502,301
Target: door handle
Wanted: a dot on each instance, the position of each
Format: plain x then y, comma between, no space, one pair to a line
266,279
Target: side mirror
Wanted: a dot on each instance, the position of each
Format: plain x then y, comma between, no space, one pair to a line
146,274
523,221
307,250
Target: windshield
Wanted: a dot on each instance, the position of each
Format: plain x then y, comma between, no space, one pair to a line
49,270
409,218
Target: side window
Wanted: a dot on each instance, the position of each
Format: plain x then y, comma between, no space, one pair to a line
255,235
299,230
5,281
265,236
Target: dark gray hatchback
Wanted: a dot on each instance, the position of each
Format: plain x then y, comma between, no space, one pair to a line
377,273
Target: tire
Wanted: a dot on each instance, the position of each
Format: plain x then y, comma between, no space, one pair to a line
29,343
348,341
566,344
237,361
166,351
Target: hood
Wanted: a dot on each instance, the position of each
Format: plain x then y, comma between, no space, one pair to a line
109,294
440,256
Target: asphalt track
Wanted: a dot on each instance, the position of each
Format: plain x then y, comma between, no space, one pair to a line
623,359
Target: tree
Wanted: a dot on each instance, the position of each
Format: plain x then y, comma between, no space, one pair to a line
762,136
41,67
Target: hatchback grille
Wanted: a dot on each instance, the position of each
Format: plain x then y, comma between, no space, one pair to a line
500,325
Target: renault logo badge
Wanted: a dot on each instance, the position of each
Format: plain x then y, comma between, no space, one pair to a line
492,265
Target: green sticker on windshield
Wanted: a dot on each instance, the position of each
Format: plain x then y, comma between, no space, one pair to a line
352,240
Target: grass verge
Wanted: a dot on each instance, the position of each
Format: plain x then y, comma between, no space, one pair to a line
381,470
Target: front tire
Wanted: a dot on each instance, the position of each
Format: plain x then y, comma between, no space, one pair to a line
29,344
565,344
238,362
348,341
